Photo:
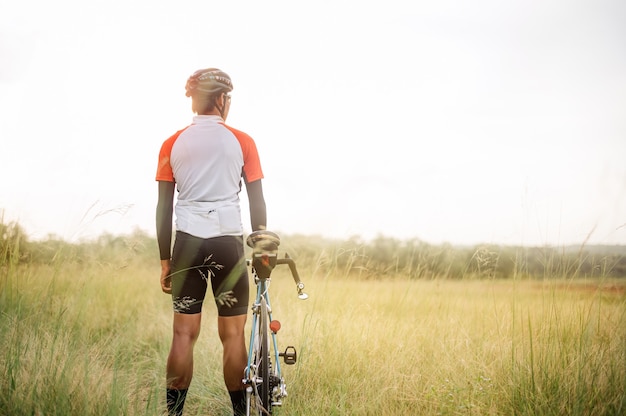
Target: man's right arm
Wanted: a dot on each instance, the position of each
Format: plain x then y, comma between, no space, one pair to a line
164,213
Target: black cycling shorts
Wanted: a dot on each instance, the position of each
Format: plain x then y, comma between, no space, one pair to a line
221,260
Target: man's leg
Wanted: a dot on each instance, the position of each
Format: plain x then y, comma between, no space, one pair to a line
231,332
180,360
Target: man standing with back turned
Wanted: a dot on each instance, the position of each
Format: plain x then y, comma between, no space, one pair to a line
207,161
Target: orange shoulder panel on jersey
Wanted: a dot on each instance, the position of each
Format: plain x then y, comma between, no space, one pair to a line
164,169
251,161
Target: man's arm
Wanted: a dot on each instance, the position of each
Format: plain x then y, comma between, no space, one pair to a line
258,213
164,213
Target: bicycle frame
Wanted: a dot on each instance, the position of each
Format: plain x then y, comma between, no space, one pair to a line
263,374
263,381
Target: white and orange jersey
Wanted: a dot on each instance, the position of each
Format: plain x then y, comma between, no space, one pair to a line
207,160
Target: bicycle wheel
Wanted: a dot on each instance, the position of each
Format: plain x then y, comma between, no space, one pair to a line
260,369
265,363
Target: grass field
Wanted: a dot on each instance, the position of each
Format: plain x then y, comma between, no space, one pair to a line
92,339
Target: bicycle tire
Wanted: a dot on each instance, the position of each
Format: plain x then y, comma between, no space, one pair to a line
265,364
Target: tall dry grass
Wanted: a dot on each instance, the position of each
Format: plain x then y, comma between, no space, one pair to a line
91,338
462,347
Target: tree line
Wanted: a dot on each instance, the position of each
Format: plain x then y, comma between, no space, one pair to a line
354,257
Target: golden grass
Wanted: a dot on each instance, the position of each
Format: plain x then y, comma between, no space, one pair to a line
92,340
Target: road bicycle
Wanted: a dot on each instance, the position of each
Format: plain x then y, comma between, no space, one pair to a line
263,377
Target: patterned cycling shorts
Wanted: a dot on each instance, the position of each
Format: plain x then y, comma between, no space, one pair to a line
221,260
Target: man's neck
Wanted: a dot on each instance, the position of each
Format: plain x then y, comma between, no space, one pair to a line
215,112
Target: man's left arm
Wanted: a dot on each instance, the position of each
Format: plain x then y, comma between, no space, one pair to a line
258,213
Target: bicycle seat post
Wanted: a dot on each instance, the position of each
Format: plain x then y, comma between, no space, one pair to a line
264,248
263,264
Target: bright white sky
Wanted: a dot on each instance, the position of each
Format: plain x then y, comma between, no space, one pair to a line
466,122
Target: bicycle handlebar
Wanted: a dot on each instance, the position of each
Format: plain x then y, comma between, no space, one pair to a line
264,263
265,245
294,272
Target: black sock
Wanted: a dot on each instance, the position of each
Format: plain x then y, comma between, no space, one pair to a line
238,398
175,401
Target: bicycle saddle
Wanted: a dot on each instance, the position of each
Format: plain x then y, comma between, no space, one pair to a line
263,240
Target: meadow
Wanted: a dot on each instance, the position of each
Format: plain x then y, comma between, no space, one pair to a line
88,333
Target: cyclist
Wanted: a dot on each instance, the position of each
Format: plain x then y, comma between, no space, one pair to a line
206,161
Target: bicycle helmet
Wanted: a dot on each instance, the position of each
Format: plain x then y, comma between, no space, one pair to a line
208,81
